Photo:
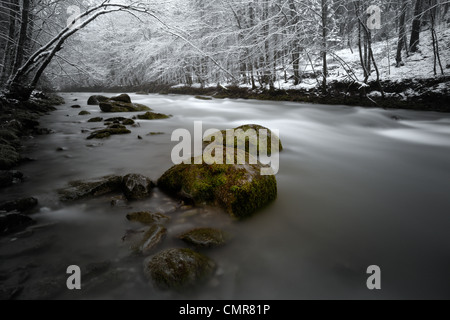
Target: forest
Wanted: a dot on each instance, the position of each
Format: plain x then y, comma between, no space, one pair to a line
258,44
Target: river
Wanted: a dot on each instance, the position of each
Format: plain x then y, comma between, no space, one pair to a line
357,187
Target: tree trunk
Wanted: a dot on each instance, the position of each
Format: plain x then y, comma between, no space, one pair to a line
401,33
23,36
324,43
8,56
416,26
295,45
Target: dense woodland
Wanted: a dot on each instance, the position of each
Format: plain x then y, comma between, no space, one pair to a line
59,44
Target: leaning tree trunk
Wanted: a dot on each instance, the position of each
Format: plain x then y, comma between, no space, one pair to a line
416,26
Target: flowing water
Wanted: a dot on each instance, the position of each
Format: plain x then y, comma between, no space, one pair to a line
357,187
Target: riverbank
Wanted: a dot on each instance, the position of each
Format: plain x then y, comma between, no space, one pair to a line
429,94
20,120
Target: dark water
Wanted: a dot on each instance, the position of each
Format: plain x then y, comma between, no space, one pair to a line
357,187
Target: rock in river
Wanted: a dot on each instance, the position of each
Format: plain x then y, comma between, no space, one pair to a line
94,120
122,98
178,269
21,205
95,100
240,189
14,223
148,218
205,238
116,107
137,187
250,137
153,116
143,241
115,129
79,190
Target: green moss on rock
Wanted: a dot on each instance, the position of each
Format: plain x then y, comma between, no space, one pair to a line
79,190
240,189
118,107
205,238
111,130
248,137
203,98
178,269
152,116
84,113
94,120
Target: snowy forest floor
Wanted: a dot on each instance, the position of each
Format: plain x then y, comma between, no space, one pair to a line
413,86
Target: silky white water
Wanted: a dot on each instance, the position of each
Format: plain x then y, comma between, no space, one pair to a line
357,187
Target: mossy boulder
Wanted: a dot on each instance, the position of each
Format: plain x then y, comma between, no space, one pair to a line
249,137
96,100
148,218
9,157
118,107
137,187
121,98
153,116
178,269
95,120
205,238
79,190
84,113
108,132
240,189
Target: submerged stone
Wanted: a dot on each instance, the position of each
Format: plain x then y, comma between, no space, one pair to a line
148,218
118,107
108,132
153,116
178,269
14,223
93,120
205,238
79,190
21,205
145,240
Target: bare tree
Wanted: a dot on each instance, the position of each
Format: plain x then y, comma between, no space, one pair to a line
402,32
416,26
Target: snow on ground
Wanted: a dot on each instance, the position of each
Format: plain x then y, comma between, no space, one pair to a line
417,66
